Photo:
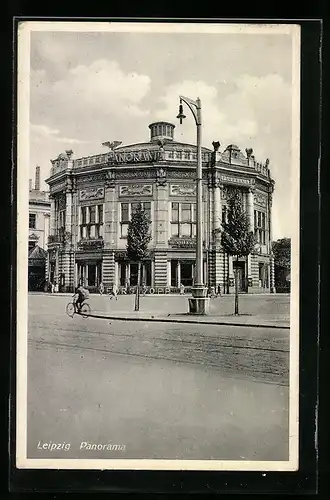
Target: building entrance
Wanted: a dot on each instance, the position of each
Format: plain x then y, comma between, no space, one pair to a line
127,273
241,276
90,274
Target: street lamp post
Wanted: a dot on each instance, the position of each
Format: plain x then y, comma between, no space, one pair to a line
199,303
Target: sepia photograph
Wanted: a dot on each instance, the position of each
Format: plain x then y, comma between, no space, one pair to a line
158,180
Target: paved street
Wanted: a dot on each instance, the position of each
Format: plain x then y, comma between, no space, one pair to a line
163,390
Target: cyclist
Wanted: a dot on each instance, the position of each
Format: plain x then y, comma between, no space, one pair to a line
80,296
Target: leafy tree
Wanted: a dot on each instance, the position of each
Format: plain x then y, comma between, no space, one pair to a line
282,262
138,238
237,239
282,252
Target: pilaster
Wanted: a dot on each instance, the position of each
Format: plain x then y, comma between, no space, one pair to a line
108,269
52,217
110,215
250,208
161,210
160,269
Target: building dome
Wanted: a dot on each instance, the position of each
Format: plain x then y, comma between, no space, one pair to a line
161,130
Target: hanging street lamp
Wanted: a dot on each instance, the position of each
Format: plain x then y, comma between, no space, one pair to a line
199,303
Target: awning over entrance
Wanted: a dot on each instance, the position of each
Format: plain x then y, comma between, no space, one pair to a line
37,257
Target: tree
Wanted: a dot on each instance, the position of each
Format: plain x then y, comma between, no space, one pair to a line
236,237
282,262
138,238
282,252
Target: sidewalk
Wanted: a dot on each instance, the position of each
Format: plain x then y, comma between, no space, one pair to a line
268,311
241,320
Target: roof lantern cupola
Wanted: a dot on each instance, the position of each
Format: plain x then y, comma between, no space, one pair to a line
161,130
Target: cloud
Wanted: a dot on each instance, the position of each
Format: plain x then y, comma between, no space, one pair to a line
42,132
217,122
104,87
256,113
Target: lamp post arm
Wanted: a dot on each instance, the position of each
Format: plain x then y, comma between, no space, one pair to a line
195,108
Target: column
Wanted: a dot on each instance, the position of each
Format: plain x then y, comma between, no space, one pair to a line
249,267
127,273
76,280
272,264
110,217
46,230
178,273
169,277
161,269
231,268
108,269
152,273
47,279
272,275
68,212
86,275
249,201
52,224
250,208
161,217
116,274
217,209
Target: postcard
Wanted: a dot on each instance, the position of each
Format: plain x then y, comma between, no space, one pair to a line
158,179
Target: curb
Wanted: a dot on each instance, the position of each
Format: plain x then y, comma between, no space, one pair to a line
188,321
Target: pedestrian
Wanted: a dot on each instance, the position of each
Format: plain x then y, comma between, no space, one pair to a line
181,289
52,287
101,288
115,291
56,287
219,291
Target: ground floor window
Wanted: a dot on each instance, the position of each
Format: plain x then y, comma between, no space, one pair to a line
182,272
90,274
127,273
263,275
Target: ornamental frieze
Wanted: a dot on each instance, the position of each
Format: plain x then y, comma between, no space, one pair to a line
135,190
182,242
96,193
86,179
135,174
228,191
90,244
260,199
183,189
230,179
178,242
58,187
179,174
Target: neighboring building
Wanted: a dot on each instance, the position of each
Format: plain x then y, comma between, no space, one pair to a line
39,213
92,200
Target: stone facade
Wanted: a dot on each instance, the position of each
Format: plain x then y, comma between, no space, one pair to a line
92,200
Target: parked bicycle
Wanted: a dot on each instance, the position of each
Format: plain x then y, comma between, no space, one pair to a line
84,310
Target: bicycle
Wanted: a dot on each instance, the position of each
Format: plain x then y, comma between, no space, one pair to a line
72,309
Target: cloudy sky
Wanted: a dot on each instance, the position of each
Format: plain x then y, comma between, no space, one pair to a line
88,88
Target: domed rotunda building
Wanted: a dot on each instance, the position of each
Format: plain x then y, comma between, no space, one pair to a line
93,198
